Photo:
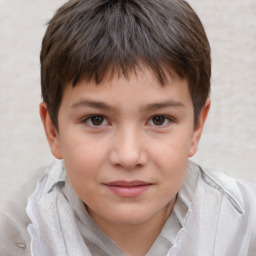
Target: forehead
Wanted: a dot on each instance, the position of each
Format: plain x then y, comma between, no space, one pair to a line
141,72
141,86
161,74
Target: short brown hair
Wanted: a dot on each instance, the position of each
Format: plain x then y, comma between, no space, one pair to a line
87,39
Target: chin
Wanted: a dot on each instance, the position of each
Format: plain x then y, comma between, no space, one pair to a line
131,216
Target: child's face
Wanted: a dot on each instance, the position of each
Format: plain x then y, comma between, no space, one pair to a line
125,144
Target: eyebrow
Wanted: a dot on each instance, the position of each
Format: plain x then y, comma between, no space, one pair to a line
91,104
149,107
164,104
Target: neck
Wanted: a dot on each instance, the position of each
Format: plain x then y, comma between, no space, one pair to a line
136,239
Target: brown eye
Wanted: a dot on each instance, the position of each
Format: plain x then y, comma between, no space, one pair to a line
159,120
96,121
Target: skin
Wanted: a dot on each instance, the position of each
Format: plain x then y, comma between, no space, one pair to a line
126,130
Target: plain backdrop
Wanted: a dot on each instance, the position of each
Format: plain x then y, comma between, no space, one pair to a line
229,140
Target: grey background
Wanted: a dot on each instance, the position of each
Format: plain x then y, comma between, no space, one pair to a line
229,140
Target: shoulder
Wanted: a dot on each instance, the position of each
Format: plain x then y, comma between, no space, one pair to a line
238,203
234,190
14,237
235,194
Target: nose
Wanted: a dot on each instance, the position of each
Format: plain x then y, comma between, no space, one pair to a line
128,150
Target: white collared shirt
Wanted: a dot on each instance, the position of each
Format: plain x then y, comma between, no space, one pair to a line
214,215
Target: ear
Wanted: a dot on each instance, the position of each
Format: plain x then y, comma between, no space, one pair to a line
51,132
199,128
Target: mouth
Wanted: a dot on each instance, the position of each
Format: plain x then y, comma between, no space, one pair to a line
128,188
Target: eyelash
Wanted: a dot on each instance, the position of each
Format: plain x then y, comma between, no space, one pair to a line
166,120
103,122
89,122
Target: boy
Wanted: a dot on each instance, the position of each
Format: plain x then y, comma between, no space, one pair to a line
125,88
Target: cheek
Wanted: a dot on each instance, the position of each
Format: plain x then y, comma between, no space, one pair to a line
83,168
172,150
83,161
171,158
82,149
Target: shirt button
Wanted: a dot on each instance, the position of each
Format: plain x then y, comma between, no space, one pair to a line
21,245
